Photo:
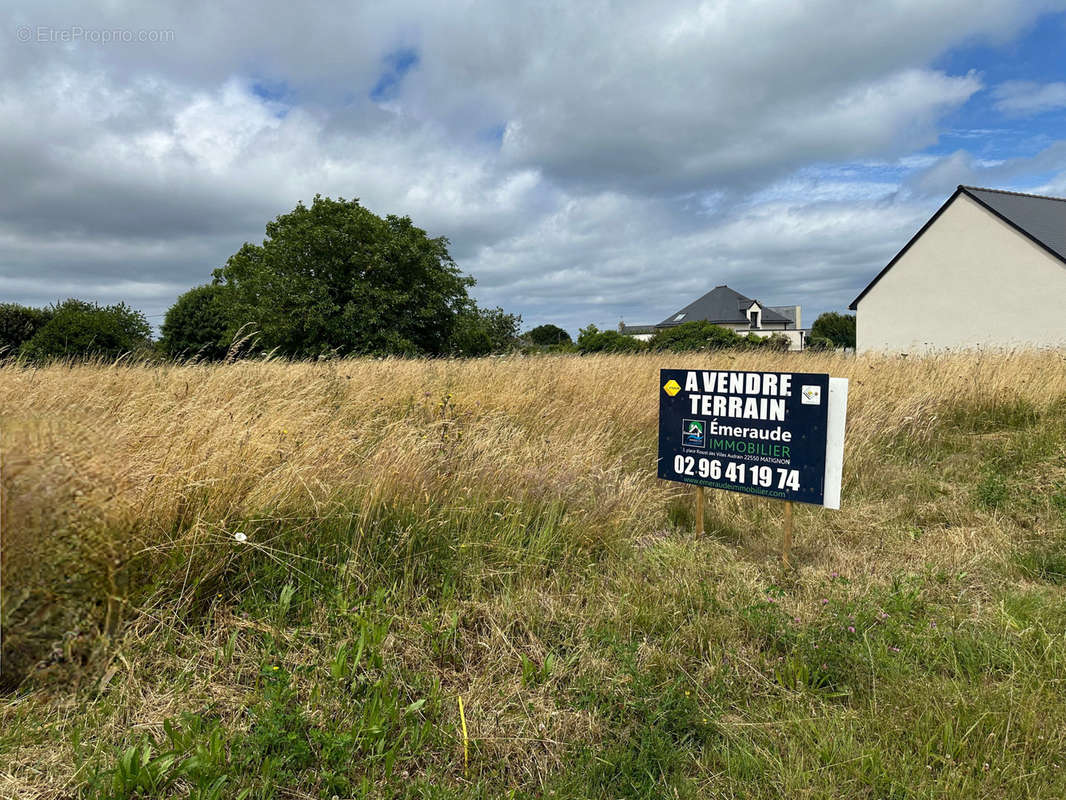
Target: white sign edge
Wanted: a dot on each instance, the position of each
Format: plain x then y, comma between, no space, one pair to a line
834,441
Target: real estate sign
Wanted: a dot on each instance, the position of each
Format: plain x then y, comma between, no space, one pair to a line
774,434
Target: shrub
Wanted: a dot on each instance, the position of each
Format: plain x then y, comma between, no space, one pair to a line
777,341
546,335
200,324
481,331
837,329
697,335
593,340
79,329
18,324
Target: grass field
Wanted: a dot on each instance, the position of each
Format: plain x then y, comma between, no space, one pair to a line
276,580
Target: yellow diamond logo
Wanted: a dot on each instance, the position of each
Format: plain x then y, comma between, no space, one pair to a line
671,387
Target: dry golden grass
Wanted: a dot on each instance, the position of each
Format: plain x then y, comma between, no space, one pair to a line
146,450
126,444
108,466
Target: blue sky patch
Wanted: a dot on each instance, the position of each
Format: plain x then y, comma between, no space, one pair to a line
986,130
493,134
277,93
397,64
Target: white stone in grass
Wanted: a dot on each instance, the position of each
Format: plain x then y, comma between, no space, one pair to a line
240,537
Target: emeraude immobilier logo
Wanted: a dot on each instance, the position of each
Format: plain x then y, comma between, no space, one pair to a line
693,433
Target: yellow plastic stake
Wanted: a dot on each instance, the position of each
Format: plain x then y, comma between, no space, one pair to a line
466,740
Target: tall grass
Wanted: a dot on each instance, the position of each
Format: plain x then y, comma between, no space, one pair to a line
393,533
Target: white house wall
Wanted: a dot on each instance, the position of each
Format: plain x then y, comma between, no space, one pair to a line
969,281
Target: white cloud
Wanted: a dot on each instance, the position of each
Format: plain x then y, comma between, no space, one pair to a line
1024,173
1026,98
591,268
647,153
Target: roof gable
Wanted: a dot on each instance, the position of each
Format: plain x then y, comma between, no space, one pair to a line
1039,218
720,305
1042,219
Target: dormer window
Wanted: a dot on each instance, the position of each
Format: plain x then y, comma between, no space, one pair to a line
755,316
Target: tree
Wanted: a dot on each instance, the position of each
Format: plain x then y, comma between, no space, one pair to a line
18,324
696,335
593,340
200,324
479,332
838,329
78,329
547,335
336,278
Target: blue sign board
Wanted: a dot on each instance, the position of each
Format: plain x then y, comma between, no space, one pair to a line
761,433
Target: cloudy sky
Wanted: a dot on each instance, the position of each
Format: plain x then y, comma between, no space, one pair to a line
588,161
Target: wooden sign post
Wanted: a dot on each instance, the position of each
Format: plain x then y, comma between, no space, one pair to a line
778,435
786,535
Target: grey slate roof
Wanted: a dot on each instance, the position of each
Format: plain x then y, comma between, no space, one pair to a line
1039,218
721,305
788,312
1042,218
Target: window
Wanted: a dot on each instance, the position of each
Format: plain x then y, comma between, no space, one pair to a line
753,317
679,317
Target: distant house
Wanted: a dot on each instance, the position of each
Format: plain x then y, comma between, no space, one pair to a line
730,309
987,270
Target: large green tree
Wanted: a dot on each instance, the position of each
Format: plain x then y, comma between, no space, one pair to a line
836,329
200,324
79,329
333,277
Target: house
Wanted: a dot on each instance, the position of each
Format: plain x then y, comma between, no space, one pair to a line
987,270
730,309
